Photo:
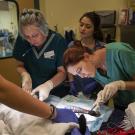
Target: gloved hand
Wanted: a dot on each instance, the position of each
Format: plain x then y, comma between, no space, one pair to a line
44,90
26,82
68,116
65,116
108,91
98,101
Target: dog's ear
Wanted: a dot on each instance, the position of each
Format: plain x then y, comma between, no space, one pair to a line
82,124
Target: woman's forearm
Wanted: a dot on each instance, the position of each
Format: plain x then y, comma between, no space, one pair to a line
14,97
59,77
130,85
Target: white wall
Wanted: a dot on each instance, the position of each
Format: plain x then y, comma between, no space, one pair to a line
66,13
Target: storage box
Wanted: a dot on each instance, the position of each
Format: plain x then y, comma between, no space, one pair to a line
127,33
108,17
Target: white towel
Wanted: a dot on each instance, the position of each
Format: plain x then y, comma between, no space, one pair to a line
18,123
129,119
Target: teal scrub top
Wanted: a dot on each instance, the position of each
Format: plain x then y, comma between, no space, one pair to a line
120,62
41,63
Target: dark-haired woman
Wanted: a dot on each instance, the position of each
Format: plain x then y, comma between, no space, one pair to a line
90,36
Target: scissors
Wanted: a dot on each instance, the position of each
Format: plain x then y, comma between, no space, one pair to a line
94,113
85,111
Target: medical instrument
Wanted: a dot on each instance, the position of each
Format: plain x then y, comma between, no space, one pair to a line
94,113
27,52
85,111
93,108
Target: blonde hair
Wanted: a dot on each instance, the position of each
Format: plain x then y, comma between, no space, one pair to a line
33,17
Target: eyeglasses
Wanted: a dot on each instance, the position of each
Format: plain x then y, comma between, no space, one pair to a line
33,36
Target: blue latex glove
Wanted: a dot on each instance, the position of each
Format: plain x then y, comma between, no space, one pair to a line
76,131
65,116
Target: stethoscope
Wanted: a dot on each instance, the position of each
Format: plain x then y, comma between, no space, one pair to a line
27,51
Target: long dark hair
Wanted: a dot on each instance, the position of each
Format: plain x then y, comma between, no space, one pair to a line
98,35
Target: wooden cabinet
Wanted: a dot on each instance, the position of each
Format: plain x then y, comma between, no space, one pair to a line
8,70
127,34
109,33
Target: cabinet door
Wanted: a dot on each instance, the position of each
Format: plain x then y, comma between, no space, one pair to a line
109,33
127,34
9,13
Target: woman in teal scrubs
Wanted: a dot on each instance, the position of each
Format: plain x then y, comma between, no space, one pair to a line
38,52
112,66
